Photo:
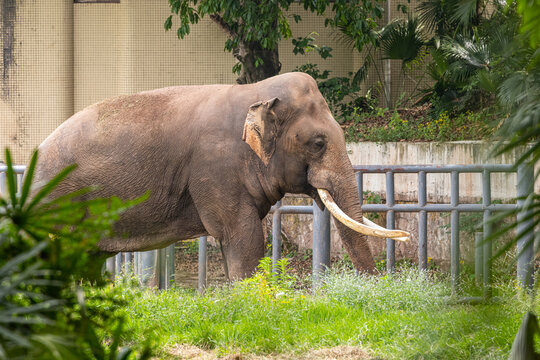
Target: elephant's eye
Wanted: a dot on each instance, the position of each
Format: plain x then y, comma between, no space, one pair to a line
317,144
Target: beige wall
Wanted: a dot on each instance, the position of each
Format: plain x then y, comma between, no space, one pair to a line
37,79
66,56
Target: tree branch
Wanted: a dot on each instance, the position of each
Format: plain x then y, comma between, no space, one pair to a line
219,20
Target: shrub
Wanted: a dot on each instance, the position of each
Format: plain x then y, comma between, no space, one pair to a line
46,247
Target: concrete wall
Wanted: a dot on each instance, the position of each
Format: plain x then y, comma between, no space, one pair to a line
60,56
298,228
37,71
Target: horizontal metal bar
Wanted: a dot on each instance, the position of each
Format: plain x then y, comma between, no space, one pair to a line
434,168
294,209
18,169
307,209
392,168
437,207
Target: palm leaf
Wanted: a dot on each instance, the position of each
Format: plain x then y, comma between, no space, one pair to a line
402,40
436,16
50,186
470,53
514,89
25,191
488,81
11,180
464,13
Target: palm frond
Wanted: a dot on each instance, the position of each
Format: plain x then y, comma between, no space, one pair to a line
470,53
432,14
514,89
402,40
487,80
464,13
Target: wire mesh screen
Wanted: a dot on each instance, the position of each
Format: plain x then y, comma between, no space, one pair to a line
60,56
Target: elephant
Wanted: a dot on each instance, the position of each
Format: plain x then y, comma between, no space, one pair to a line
214,159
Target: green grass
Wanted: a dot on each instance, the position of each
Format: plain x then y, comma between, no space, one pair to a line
407,316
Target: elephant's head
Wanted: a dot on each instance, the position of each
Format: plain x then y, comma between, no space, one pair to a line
303,148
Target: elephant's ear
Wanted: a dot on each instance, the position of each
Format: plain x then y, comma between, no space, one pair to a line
260,129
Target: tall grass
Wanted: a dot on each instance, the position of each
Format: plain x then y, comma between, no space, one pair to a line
405,316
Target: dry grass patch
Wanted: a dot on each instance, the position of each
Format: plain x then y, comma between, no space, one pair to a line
189,352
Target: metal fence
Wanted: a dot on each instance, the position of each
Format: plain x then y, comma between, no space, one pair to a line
159,264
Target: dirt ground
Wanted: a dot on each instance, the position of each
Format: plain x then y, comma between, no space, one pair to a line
337,353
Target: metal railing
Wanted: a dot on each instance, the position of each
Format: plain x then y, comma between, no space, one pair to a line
160,263
525,184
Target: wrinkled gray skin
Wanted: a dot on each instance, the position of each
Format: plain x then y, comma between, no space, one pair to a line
185,144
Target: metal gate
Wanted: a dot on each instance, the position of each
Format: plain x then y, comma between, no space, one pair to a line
160,263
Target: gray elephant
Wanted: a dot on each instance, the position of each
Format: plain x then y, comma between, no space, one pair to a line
215,158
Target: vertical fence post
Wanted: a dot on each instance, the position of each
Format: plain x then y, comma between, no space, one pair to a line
161,265
321,243
202,263
128,261
165,267
390,224
3,186
276,236
170,266
525,226
422,221
360,186
19,183
478,257
136,265
360,189
454,231
487,229
147,263
110,265
118,264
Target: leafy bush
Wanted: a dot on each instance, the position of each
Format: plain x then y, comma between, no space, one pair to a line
270,282
384,126
47,248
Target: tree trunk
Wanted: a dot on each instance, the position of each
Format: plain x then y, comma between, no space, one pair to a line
247,54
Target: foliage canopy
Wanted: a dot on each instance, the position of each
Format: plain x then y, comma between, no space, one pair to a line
254,28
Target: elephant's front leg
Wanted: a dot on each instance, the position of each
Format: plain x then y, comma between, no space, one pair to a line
242,243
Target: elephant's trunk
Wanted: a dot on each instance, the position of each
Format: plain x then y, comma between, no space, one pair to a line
343,190
350,223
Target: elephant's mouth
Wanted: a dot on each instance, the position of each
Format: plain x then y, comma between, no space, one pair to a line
369,228
312,192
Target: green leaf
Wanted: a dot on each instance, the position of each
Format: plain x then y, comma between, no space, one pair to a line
168,23
13,263
10,174
402,40
28,178
50,186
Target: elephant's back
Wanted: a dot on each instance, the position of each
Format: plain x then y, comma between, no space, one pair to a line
119,144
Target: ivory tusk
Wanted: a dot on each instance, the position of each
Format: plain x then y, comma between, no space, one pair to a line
373,230
377,226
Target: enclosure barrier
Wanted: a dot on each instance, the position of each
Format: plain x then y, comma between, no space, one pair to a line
144,263
525,184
